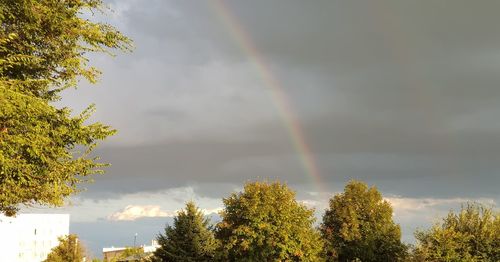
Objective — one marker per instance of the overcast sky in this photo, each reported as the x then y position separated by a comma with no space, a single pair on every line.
403,95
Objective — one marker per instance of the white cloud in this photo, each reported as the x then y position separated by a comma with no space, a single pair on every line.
212,210
131,212
134,212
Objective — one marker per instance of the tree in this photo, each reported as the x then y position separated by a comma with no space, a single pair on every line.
265,223
358,225
43,50
471,235
190,238
68,250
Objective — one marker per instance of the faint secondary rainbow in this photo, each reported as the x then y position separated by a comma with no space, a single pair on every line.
278,95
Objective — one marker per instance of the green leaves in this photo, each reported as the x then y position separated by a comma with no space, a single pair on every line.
38,160
265,223
69,249
53,39
189,239
471,235
43,48
359,225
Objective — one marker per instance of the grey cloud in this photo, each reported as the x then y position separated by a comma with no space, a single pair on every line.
444,169
401,94
171,165
396,93
367,32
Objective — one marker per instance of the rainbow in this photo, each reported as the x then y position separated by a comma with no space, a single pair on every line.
278,95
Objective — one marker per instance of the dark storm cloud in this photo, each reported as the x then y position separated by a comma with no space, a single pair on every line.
401,94
344,150
157,167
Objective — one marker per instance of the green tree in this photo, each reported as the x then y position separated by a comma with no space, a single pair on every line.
266,223
190,239
358,225
44,46
471,235
68,250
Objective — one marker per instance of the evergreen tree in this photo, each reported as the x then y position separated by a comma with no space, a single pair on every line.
265,223
68,250
190,239
359,225
43,50
471,235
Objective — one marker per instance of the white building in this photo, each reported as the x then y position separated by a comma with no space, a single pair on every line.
30,237
110,253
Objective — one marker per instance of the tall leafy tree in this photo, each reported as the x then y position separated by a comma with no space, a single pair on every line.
358,225
266,223
190,239
473,234
43,50
69,249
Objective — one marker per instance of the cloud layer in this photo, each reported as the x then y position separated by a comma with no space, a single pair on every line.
402,95
131,213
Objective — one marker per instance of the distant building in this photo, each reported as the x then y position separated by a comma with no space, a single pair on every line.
30,237
110,253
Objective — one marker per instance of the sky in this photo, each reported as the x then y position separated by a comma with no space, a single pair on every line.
400,94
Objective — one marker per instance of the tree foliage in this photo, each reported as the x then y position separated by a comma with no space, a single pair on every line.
265,223
358,225
190,239
471,235
43,50
68,250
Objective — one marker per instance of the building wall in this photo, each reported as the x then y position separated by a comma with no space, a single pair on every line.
30,237
113,252
110,253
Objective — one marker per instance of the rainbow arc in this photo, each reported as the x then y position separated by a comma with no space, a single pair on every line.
278,93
